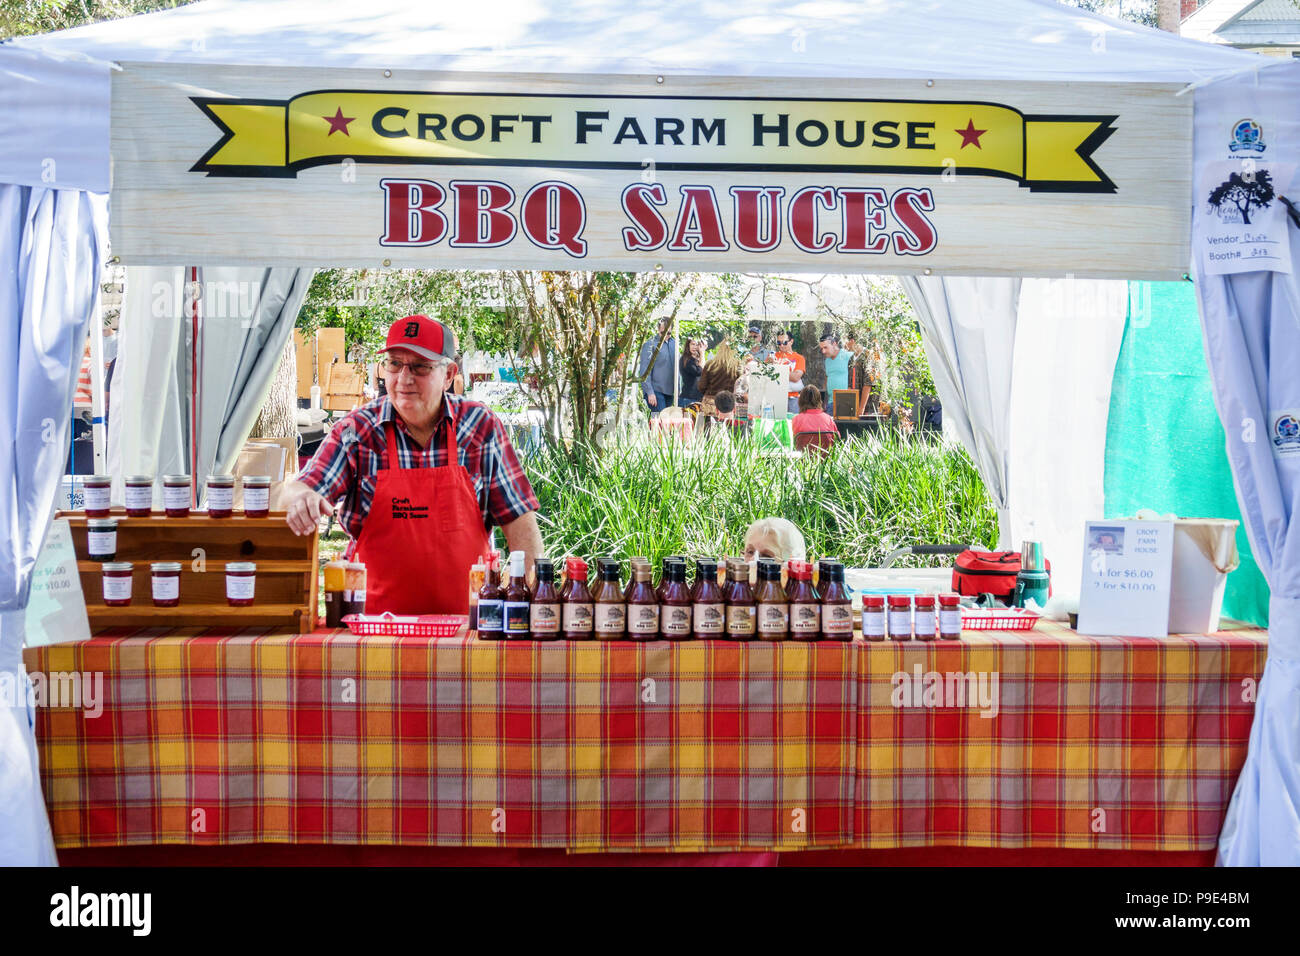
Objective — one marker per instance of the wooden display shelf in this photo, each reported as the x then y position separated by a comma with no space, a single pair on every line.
287,568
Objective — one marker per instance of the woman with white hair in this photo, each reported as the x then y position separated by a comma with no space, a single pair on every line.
775,538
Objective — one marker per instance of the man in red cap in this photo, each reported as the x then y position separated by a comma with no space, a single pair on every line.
419,476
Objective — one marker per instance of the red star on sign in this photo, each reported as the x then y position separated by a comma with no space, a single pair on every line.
339,123
970,135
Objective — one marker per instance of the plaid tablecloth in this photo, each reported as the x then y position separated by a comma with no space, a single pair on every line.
329,738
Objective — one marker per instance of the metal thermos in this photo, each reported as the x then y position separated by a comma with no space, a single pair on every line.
1033,581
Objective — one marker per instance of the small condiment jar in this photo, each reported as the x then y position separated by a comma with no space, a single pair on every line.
176,495
900,617
544,612
949,617
101,539
165,580
97,489
708,610
335,579
924,620
257,495
221,496
741,618
805,604
117,583
137,495
771,605
837,606
873,617
241,579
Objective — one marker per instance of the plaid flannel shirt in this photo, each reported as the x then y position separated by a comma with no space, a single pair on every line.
345,465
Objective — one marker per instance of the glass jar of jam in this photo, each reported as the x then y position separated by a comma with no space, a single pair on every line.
675,606
900,617
949,617
97,489
117,583
609,607
837,606
176,495
805,604
741,619
221,496
771,605
165,578
873,617
241,579
924,620
642,603
137,495
544,612
257,495
101,539
576,612
708,609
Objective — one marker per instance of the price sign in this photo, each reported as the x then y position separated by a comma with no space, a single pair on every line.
1126,578
56,610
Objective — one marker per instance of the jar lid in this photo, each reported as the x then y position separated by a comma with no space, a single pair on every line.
256,481
949,600
900,600
356,565
873,600
139,479
925,600
102,524
176,479
221,481
97,480
165,566
244,567
117,566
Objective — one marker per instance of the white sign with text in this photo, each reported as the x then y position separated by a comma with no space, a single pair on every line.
1126,578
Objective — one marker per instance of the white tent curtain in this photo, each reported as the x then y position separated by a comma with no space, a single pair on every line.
1251,327
968,326
198,351
52,250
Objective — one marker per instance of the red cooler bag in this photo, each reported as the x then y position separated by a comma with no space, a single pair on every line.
987,572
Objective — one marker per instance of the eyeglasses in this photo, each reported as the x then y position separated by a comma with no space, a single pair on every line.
418,369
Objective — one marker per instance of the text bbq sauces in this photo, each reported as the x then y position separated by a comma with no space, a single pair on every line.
675,604
805,603
741,618
517,601
772,607
576,612
837,606
642,604
708,609
544,612
609,607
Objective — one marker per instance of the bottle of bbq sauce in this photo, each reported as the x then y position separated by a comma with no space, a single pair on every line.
663,575
576,609
805,603
610,606
633,564
642,605
837,606
772,605
708,609
515,609
544,612
491,600
741,619
675,606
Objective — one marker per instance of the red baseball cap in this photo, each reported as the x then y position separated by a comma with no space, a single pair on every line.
423,336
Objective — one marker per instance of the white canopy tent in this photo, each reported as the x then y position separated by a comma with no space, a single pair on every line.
1101,173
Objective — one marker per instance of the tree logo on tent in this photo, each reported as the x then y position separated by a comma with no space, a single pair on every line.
1234,198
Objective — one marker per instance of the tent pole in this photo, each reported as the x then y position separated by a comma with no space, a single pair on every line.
677,365
97,434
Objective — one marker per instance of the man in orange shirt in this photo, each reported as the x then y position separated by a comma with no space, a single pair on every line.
785,353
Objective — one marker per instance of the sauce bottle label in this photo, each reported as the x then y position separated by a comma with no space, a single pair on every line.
101,542
137,497
773,618
709,619
577,617
838,619
239,587
516,617
900,622
176,496
166,587
117,588
259,499
611,618
873,623
925,623
545,618
221,498
807,618
490,615
644,618
950,621
676,620
97,498
740,619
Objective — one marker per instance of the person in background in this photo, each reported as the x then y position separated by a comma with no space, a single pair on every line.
775,538
837,366
812,417
757,350
724,413
458,381
862,373
657,378
691,369
720,373
797,363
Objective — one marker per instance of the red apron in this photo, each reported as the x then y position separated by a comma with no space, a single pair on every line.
423,532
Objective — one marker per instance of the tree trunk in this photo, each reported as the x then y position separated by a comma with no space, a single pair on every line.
278,418
1169,15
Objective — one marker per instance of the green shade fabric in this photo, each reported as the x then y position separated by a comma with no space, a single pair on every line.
1164,441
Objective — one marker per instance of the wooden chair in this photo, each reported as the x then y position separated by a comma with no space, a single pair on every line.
819,442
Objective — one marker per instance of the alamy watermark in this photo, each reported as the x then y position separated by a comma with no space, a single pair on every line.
975,689
80,690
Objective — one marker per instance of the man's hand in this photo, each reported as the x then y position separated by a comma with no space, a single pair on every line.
652,401
303,507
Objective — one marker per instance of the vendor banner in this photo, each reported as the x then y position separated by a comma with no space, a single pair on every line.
359,168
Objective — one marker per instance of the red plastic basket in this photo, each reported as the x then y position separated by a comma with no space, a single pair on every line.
1004,619
406,625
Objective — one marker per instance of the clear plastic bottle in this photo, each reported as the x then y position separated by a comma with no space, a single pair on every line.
609,607
642,603
837,606
772,606
576,611
805,603
544,611
675,604
741,617
708,608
